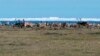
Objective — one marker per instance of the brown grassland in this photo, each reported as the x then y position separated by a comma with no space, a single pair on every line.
68,42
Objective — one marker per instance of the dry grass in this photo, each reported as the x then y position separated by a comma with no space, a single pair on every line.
50,43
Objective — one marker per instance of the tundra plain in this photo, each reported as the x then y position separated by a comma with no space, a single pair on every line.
67,42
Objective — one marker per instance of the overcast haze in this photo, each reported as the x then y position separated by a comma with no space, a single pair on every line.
49,8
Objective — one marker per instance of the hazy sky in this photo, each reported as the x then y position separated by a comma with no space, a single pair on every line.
50,8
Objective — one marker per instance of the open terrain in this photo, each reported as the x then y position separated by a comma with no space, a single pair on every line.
83,42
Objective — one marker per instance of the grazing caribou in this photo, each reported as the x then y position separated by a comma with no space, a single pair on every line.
82,24
19,25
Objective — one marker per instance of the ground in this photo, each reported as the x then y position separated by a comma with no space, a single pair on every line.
68,42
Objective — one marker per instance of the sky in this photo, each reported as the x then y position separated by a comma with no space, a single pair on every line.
50,8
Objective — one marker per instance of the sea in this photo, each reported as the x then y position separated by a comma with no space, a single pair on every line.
67,22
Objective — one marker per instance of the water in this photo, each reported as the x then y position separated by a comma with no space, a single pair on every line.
68,22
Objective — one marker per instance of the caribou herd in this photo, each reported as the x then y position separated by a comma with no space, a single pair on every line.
56,26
